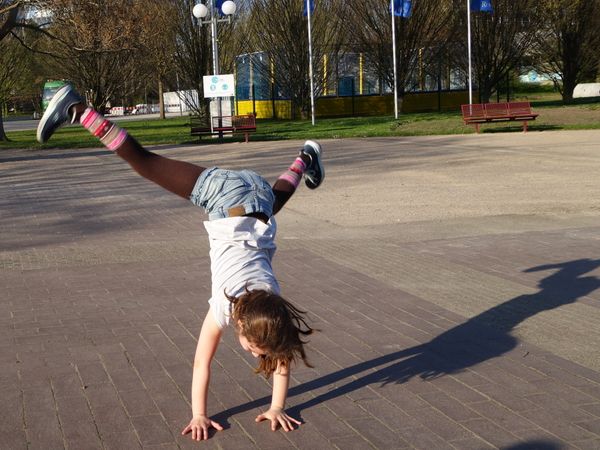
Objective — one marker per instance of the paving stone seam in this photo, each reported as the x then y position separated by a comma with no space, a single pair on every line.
90,409
143,384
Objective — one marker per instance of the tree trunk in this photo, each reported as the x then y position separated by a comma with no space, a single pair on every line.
3,136
161,100
567,89
485,91
567,96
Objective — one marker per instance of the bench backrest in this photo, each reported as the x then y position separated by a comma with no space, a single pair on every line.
197,121
489,110
246,121
519,108
222,121
473,111
496,109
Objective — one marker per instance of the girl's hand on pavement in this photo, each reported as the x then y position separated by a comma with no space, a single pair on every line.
277,416
199,427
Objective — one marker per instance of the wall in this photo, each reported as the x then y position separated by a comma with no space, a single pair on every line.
365,105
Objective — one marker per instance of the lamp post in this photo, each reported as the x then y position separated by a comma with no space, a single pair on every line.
469,52
208,15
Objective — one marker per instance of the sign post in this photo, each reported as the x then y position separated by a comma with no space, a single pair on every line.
217,87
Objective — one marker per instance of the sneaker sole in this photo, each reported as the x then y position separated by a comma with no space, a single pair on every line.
319,152
55,99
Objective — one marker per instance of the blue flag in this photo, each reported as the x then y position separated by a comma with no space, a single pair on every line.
401,8
482,6
218,6
312,7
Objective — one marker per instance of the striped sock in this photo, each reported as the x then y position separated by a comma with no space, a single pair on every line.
109,134
294,173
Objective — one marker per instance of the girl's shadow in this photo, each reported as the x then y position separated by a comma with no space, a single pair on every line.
480,338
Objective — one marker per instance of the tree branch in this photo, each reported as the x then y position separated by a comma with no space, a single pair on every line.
11,20
9,8
41,52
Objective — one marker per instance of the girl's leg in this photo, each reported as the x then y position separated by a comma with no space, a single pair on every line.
308,163
175,176
288,182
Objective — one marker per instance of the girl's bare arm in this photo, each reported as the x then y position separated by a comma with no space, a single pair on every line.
210,336
276,413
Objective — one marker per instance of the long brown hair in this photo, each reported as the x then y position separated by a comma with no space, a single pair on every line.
273,324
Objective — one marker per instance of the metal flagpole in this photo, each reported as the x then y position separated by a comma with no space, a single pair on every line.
393,10
310,68
214,36
469,47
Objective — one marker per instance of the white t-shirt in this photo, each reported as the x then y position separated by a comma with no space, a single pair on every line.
241,250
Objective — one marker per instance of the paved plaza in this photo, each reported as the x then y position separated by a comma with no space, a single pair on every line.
454,281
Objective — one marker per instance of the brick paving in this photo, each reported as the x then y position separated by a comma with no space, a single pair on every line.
452,339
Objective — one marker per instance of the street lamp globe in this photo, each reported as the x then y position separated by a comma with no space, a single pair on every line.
228,8
200,11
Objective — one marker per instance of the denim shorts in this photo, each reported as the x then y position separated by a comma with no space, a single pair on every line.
228,193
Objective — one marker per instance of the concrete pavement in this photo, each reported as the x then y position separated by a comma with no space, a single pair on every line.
454,280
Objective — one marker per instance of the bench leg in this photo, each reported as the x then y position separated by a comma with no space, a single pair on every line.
477,128
525,126
246,135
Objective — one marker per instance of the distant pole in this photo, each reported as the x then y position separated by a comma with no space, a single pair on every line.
310,58
469,51
215,52
214,37
179,95
395,63
200,12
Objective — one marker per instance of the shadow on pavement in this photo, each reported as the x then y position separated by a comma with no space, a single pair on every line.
535,445
38,156
516,128
479,339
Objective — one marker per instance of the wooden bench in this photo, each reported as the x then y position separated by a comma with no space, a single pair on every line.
223,124
497,112
200,126
235,124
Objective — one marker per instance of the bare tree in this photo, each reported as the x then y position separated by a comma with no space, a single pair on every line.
158,42
11,19
500,40
12,66
96,44
234,37
568,43
279,28
192,54
426,32
9,13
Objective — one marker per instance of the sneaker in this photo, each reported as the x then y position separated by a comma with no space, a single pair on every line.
315,173
57,113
